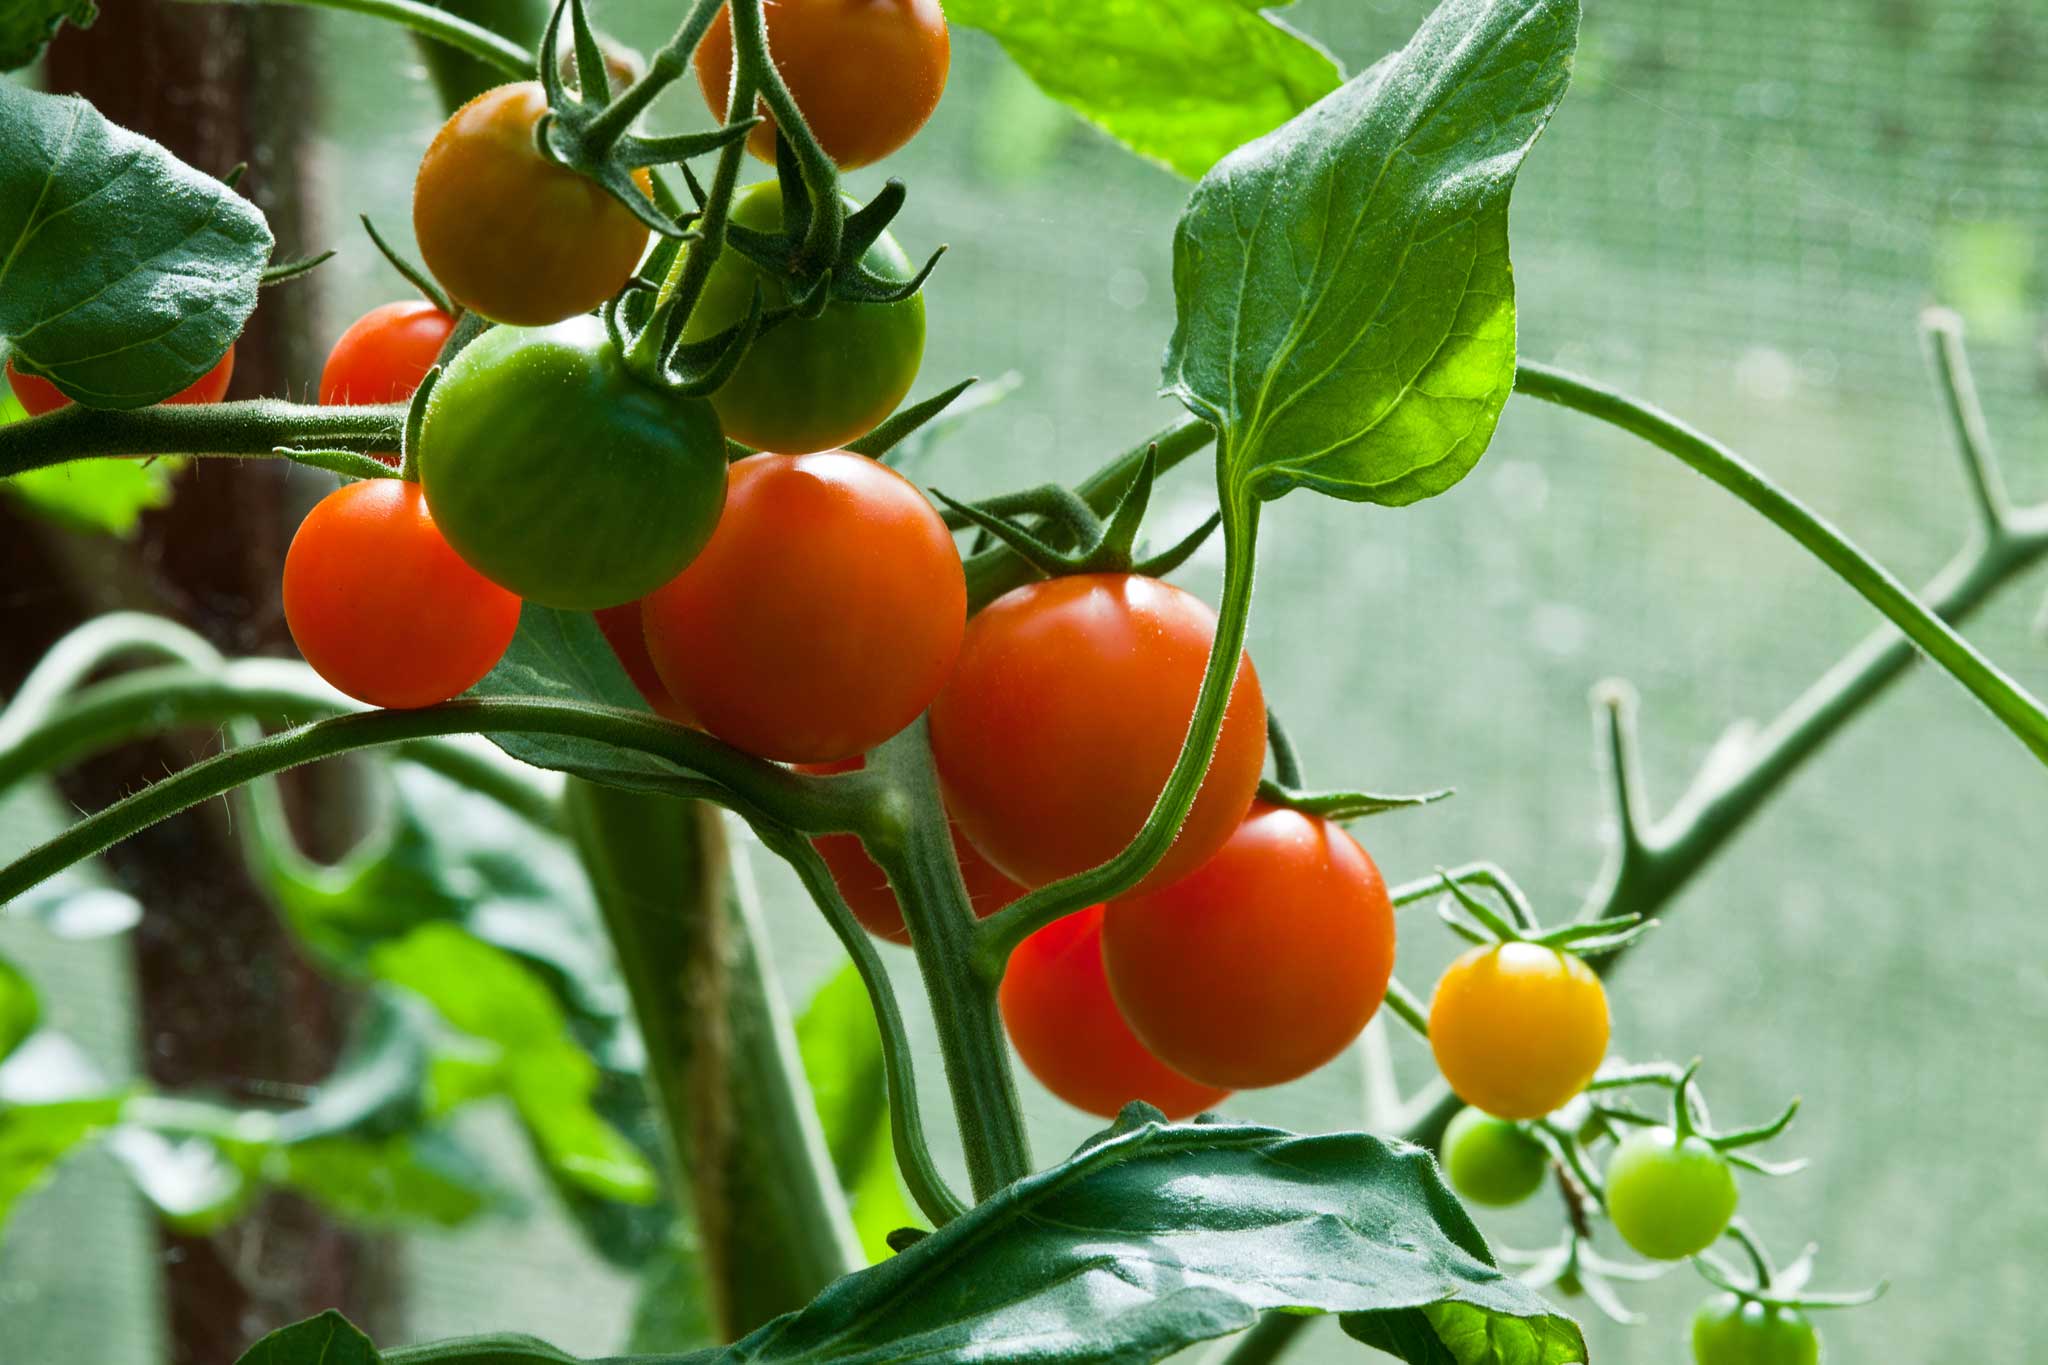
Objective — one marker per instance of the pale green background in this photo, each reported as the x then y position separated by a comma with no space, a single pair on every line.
1739,211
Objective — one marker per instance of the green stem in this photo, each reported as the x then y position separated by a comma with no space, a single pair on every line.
252,430
1000,934
667,66
820,174
474,40
1267,1341
2006,699
915,850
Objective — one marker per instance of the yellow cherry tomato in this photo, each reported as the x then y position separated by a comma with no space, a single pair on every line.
1518,1029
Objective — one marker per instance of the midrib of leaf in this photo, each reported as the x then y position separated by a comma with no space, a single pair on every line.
49,179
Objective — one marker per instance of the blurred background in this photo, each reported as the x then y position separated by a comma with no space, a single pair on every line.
1738,213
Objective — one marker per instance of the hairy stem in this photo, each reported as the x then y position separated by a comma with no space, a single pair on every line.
252,430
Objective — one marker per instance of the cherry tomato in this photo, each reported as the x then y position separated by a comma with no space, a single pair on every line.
1669,1199
1064,716
1518,1029
1290,892
508,232
1065,1025
559,475
39,395
822,617
1492,1161
810,383
384,354
1728,1331
622,631
382,608
867,890
865,73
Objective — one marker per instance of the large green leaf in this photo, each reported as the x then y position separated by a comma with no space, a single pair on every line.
1179,81
124,273
26,26
1345,304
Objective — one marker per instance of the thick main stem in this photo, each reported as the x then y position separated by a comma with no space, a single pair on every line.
915,850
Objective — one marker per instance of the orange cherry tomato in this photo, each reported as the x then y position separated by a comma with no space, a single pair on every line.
1518,1029
865,73
867,891
382,608
1064,716
822,616
39,395
1065,1025
1263,963
508,232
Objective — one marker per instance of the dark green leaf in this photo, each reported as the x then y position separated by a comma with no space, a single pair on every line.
842,1055
26,26
562,654
20,1010
1179,81
127,273
329,1339
1345,306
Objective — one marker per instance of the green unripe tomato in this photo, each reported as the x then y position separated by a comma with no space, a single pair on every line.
1669,1199
1727,1331
811,383
560,476
1492,1161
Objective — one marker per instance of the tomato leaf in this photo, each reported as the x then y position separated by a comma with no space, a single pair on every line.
124,273
35,1138
27,26
329,1339
20,1009
1178,81
1345,308
399,1181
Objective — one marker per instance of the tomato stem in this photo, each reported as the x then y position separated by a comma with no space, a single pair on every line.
428,21
250,430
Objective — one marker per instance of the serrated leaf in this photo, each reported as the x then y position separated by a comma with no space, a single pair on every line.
563,655
124,273
1178,81
1344,302
27,26
329,1339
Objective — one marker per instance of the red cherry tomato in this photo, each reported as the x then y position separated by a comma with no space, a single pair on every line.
39,395
865,73
1263,963
823,615
621,627
1063,718
867,890
384,354
1064,1024
382,608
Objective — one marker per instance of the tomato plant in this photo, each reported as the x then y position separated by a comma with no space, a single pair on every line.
563,477
865,73
1065,713
813,382
380,605
39,395
821,617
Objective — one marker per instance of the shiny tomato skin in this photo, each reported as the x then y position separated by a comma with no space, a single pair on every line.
384,354
866,889
382,608
1727,1331
823,615
39,395
1492,1161
623,632
865,73
1064,716
811,383
561,476
1518,1029
1263,963
1668,1197
509,233
1064,1023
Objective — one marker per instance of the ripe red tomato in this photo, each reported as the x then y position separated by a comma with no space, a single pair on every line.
822,616
1063,718
508,232
867,891
384,354
622,631
1065,1025
1290,895
865,73
382,608
39,395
